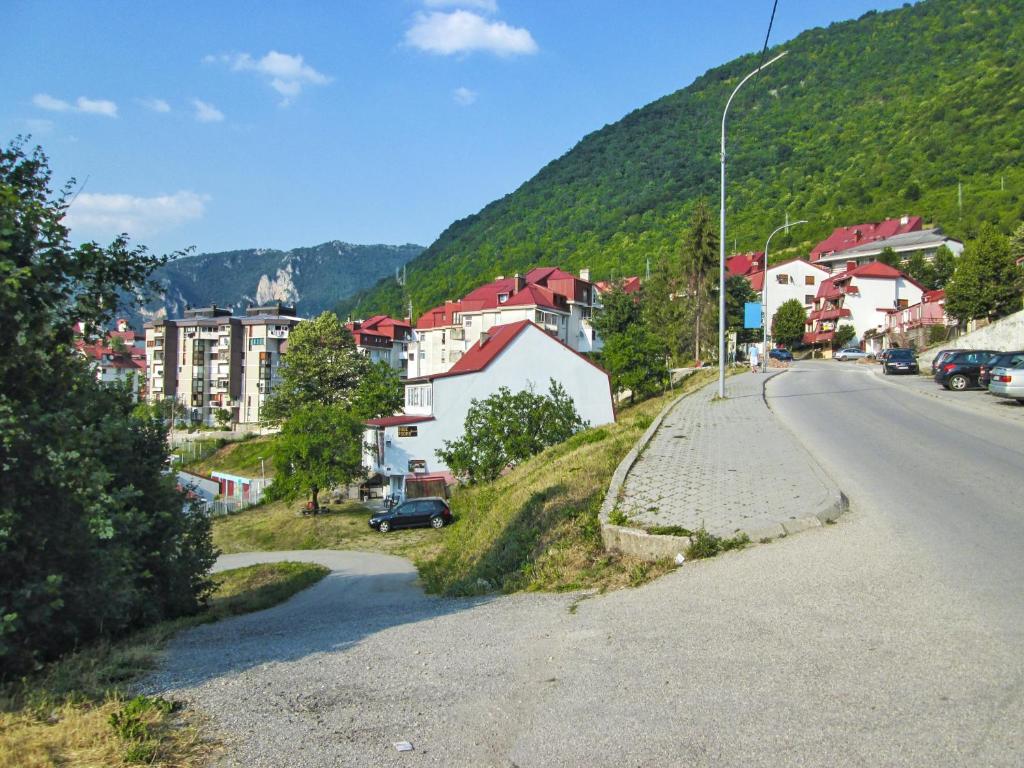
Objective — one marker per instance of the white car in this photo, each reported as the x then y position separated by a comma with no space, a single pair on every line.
1007,382
850,353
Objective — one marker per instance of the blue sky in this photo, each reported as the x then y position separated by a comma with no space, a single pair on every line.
228,125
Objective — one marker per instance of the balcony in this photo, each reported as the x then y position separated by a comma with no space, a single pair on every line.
275,333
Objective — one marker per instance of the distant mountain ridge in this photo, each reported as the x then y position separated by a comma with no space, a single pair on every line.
313,278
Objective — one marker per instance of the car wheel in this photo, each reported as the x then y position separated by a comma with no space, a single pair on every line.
436,522
384,527
958,382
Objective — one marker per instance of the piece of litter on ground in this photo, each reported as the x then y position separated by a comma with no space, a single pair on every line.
680,558
403,746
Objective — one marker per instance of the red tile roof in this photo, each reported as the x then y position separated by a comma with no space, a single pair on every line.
395,421
532,293
629,285
480,355
743,264
843,238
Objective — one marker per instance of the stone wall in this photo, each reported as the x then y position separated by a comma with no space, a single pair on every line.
1007,333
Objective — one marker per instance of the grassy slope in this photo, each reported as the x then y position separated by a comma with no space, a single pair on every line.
241,458
279,526
61,717
537,528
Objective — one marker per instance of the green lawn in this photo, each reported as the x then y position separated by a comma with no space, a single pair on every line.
238,458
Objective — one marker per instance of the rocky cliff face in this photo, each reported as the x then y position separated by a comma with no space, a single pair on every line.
313,279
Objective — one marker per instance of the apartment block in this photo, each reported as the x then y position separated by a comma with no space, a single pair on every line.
209,360
265,333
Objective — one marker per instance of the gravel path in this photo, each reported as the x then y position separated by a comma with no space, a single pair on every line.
859,644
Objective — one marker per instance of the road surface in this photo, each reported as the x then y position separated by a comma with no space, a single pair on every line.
892,638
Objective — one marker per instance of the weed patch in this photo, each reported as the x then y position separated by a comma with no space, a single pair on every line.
669,530
704,544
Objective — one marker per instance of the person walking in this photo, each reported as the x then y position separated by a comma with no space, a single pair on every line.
754,361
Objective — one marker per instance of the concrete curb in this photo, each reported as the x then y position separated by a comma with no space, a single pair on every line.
634,541
649,546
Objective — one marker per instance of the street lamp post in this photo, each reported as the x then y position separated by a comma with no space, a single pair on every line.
764,293
721,237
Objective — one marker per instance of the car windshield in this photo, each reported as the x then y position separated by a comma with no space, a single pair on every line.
901,354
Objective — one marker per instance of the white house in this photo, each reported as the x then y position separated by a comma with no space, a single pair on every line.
519,356
861,296
555,300
794,279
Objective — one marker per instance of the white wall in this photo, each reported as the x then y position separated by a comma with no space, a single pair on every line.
1006,333
877,295
532,358
794,288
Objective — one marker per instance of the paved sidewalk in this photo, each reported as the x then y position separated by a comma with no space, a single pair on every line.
730,466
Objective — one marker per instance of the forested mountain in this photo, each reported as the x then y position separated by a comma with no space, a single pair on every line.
313,279
864,120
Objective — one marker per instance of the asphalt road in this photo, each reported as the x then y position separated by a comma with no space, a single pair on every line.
945,471
892,638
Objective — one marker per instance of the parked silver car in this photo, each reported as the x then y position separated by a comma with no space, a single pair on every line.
1007,382
850,353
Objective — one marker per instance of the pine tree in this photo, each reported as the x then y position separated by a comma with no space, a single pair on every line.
699,260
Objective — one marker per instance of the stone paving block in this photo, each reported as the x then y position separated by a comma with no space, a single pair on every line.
726,465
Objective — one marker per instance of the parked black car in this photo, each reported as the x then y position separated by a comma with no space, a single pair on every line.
781,354
943,356
882,356
960,371
414,513
1002,360
900,361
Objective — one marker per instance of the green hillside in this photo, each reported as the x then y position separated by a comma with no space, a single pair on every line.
863,120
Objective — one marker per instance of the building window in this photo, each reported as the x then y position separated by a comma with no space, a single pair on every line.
808,279
502,298
808,298
418,396
255,342
782,279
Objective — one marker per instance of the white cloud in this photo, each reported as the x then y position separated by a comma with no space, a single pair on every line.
46,101
103,216
39,127
96,106
155,105
487,6
82,104
284,72
207,113
463,31
464,96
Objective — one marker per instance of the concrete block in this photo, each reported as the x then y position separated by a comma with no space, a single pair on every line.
800,524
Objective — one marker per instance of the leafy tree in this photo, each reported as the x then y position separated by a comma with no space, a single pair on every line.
223,417
737,293
507,428
987,282
699,261
1017,243
319,447
843,336
922,270
943,267
323,367
636,362
789,322
619,311
667,309
379,392
890,257
93,539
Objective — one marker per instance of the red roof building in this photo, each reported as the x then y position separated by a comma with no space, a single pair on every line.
521,355
844,238
382,339
557,301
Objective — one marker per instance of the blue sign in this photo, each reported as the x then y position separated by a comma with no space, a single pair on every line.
752,314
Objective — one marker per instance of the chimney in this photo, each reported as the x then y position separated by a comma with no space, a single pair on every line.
585,274
519,283
485,336
851,265
904,220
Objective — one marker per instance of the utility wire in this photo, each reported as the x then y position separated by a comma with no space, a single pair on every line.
764,48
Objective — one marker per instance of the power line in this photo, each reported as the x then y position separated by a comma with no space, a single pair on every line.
764,48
